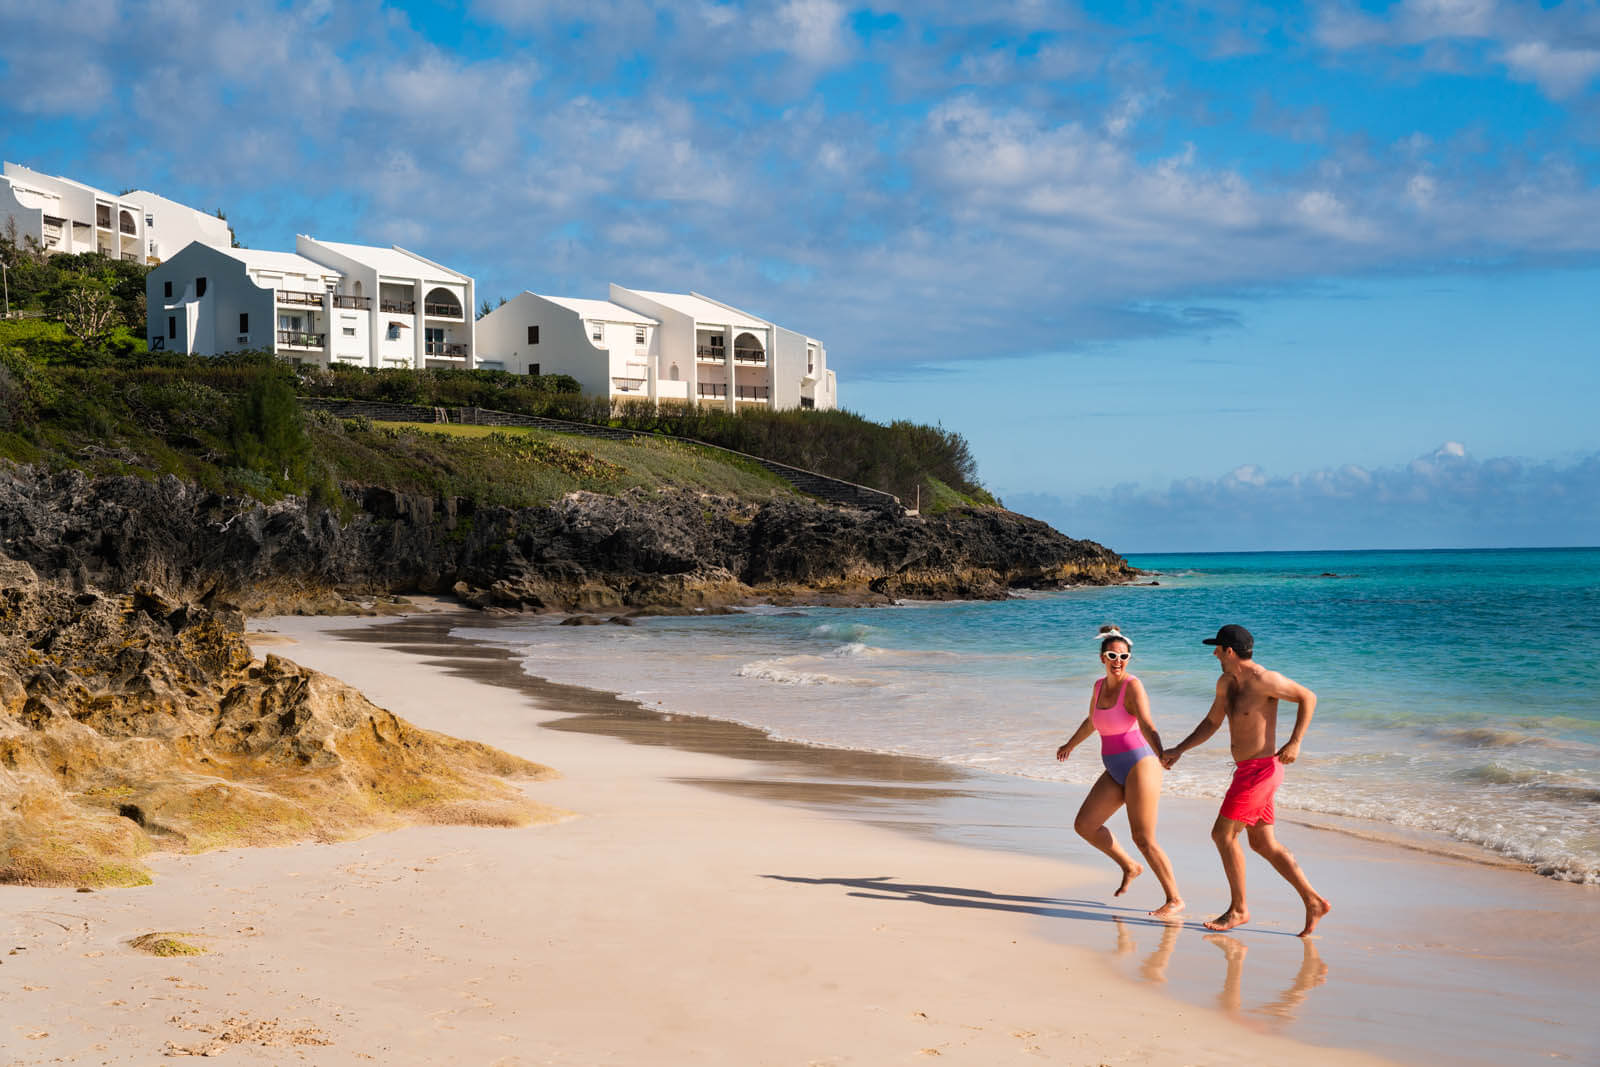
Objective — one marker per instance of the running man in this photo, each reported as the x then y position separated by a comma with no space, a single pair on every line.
1248,695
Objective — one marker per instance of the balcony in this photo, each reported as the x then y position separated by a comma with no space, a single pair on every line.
364,303
397,307
445,348
131,257
718,354
627,385
301,339
740,392
102,218
442,311
299,299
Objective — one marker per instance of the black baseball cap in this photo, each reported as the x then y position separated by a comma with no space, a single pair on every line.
1235,637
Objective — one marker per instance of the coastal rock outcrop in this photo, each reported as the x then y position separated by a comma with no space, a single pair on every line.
587,551
140,721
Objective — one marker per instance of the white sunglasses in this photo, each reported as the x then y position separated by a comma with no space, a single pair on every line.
1117,656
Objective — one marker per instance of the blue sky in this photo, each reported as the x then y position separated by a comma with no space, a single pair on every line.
1231,276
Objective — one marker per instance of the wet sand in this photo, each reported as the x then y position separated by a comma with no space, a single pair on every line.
1432,951
724,898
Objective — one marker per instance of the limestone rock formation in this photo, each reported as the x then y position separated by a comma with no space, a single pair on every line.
135,722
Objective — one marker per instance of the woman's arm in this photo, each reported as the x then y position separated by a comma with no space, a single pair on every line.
1079,735
1138,706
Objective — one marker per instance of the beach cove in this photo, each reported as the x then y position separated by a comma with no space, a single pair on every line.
669,922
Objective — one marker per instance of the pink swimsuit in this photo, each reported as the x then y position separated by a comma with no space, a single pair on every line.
1122,742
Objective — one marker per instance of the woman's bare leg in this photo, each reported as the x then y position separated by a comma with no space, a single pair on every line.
1142,791
1104,798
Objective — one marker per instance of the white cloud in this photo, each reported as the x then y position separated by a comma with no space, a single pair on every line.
1560,72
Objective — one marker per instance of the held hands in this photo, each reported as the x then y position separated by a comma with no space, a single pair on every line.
1064,751
1289,753
1169,757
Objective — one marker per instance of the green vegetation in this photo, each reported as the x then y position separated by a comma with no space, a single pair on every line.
903,458
234,425
77,389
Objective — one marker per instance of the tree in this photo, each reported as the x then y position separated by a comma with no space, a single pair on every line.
84,305
267,434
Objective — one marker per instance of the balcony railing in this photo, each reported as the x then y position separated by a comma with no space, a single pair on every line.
740,392
740,355
362,302
102,218
301,339
129,229
442,311
291,296
398,307
444,348
131,257
628,385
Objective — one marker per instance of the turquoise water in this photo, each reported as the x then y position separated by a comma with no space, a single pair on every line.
1456,690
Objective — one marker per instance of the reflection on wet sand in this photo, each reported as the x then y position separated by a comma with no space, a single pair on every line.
1313,972
1154,968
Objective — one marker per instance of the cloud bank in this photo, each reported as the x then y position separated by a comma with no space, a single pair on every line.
1445,499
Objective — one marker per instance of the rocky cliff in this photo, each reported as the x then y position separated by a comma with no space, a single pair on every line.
643,549
130,723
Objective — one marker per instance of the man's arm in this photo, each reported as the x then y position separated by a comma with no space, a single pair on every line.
1305,704
1208,725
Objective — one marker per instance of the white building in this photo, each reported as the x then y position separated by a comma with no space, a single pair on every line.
420,312
660,346
170,227
63,215
327,303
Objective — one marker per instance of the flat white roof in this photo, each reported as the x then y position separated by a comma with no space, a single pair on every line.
604,310
703,310
393,261
14,169
280,262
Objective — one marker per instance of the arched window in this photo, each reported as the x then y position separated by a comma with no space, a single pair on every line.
673,373
442,303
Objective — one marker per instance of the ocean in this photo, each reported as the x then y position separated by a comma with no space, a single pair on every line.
1456,691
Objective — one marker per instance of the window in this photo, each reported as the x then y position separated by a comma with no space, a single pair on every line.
533,337
172,327
149,221
394,331
673,374
244,322
597,331
638,335
349,331
167,291
199,287
533,368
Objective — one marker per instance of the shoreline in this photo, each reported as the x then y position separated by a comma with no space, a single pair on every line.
681,915
1423,933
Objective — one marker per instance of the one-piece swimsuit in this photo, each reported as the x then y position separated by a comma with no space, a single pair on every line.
1122,743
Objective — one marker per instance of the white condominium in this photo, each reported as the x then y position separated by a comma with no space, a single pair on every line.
659,346
325,303
63,215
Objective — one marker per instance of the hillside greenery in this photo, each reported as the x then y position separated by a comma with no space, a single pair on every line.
78,388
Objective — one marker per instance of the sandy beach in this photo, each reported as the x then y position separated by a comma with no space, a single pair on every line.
719,898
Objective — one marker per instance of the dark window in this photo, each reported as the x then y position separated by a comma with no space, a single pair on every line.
533,368
244,322
533,337
199,287
638,335
172,327
167,291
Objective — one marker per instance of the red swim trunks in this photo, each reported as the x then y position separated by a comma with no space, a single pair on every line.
1249,798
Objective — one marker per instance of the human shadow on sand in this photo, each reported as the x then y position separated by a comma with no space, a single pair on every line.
884,887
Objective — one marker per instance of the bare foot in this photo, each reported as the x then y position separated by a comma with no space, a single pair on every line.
1316,908
1128,875
1170,910
1228,920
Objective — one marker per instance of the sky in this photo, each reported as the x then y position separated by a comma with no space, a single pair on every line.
1215,277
